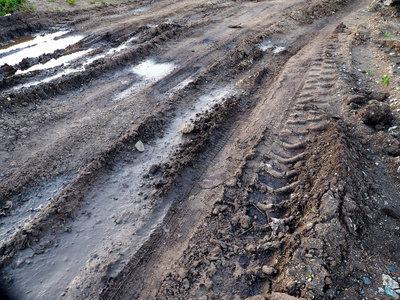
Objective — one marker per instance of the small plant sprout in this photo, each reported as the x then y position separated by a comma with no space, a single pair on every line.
313,209
385,80
27,243
387,35
370,72
392,106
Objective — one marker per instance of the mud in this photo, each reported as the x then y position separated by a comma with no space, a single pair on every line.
207,150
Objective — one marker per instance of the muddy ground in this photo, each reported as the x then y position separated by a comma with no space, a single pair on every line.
200,150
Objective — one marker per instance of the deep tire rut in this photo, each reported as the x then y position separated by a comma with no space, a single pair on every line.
268,175
186,212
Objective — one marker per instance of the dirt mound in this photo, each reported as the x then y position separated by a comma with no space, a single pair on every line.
376,113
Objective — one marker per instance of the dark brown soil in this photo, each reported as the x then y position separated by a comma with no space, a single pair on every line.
285,187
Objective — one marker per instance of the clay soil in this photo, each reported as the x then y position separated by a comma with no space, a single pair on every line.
284,186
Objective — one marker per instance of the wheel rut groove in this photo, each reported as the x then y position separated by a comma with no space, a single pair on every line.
267,177
142,209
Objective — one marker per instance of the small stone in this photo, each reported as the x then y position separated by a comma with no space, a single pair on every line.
20,263
390,282
9,204
186,284
139,146
268,270
308,255
187,128
366,280
390,292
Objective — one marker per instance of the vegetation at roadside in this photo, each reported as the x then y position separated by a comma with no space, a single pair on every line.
10,6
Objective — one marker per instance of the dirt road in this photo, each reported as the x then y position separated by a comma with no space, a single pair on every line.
200,150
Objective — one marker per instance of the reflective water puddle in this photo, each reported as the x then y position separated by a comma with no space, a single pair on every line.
42,44
64,60
153,71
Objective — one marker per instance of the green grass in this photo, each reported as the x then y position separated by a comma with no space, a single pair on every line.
385,80
10,6
370,72
71,2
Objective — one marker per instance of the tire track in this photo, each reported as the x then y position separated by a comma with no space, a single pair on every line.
236,160
268,186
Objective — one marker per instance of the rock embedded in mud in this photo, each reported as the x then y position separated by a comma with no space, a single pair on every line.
268,270
186,284
366,280
376,113
281,296
392,293
391,2
139,146
390,282
187,128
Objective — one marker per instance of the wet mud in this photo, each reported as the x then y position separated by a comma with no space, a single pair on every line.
208,150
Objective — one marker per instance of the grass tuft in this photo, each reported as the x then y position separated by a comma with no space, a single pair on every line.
10,6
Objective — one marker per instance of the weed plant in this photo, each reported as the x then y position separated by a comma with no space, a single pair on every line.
10,6
385,80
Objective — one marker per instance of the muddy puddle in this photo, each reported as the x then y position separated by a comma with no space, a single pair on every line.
67,63
116,219
148,72
269,45
17,41
152,70
39,45
28,205
64,60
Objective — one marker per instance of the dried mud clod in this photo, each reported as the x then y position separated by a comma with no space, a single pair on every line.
376,113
